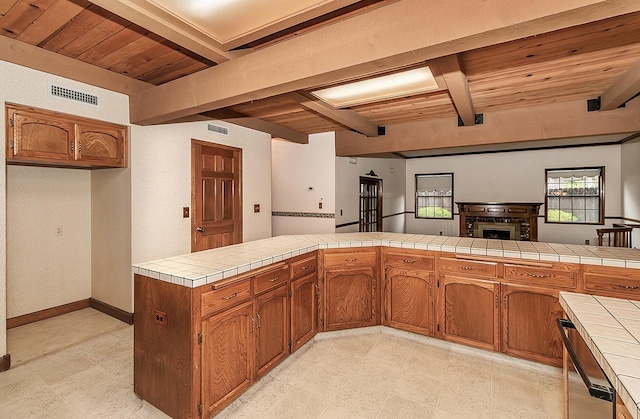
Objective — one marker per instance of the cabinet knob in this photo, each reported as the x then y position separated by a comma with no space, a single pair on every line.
200,229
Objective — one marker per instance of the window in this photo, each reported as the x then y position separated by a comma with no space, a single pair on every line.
575,195
434,196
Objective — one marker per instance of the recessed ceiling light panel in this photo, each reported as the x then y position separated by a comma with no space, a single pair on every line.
391,86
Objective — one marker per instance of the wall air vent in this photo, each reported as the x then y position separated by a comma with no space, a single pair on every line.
73,95
217,129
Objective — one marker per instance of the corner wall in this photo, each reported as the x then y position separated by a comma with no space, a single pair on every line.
295,169
630,168
393,175
161,185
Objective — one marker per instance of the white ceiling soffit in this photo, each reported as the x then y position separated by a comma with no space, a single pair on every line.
525,145
236,22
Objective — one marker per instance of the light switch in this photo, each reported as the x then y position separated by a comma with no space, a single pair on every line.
185,212
256,207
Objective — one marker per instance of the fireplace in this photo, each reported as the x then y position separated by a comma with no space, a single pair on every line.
503,221
501,231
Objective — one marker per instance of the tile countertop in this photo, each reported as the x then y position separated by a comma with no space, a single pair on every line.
611,329
200,268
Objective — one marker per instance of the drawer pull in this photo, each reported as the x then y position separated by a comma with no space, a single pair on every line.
304,268
230,297
626,287
539,275
351,260
409,261
277,278
467,268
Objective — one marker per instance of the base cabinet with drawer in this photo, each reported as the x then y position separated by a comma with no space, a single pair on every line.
350,289
198,349
227,356
408,291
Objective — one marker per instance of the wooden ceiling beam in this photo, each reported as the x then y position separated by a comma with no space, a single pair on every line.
30,56
623,89
151,17
345,117
540,122
276,131
413,32
458,86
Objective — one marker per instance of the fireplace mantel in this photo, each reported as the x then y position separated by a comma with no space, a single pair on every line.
505,220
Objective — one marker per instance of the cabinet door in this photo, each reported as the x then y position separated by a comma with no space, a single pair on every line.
471,311
227,357
350,298
304,305
529,327
408,300
101,145
41,137
272,326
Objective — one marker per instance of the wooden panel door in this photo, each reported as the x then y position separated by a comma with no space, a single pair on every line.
40,137
304,305
216,195
350,298
101,145
272,326
471,311
227,357
529,328
408,300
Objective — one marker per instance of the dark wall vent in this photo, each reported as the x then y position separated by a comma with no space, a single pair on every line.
74,95
217,129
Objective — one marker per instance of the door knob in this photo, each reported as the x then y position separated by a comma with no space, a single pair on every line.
200,229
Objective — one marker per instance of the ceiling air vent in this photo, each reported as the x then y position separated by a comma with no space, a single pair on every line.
73,95
217,129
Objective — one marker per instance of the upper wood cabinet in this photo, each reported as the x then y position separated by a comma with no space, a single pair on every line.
40,137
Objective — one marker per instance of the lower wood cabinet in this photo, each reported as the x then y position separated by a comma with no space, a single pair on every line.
470,311
227,354
272,329
304,307
408,300
529,328
350,298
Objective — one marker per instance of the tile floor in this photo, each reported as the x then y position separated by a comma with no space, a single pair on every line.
79,365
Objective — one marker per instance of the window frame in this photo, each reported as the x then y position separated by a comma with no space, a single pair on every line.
416,196
601,186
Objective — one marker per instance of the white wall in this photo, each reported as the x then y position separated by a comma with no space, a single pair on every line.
161,185
43,269
348,191
295,168
29,87
516,177
630,168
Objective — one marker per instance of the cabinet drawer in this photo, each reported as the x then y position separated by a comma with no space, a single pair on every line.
226,297
410,260
349,259
303,267
557,276
468,267
612,285
271,279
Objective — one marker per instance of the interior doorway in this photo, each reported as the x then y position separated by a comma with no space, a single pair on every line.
216,195
370,204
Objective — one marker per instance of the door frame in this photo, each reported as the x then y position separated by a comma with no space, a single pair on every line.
378,184
238,187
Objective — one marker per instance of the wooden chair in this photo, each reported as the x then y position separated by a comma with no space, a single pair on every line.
616,236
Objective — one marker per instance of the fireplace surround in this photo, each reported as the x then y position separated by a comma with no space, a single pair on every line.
499,220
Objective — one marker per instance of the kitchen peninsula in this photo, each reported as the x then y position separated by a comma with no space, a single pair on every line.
210,324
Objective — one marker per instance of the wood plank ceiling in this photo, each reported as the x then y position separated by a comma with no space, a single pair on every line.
576,63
